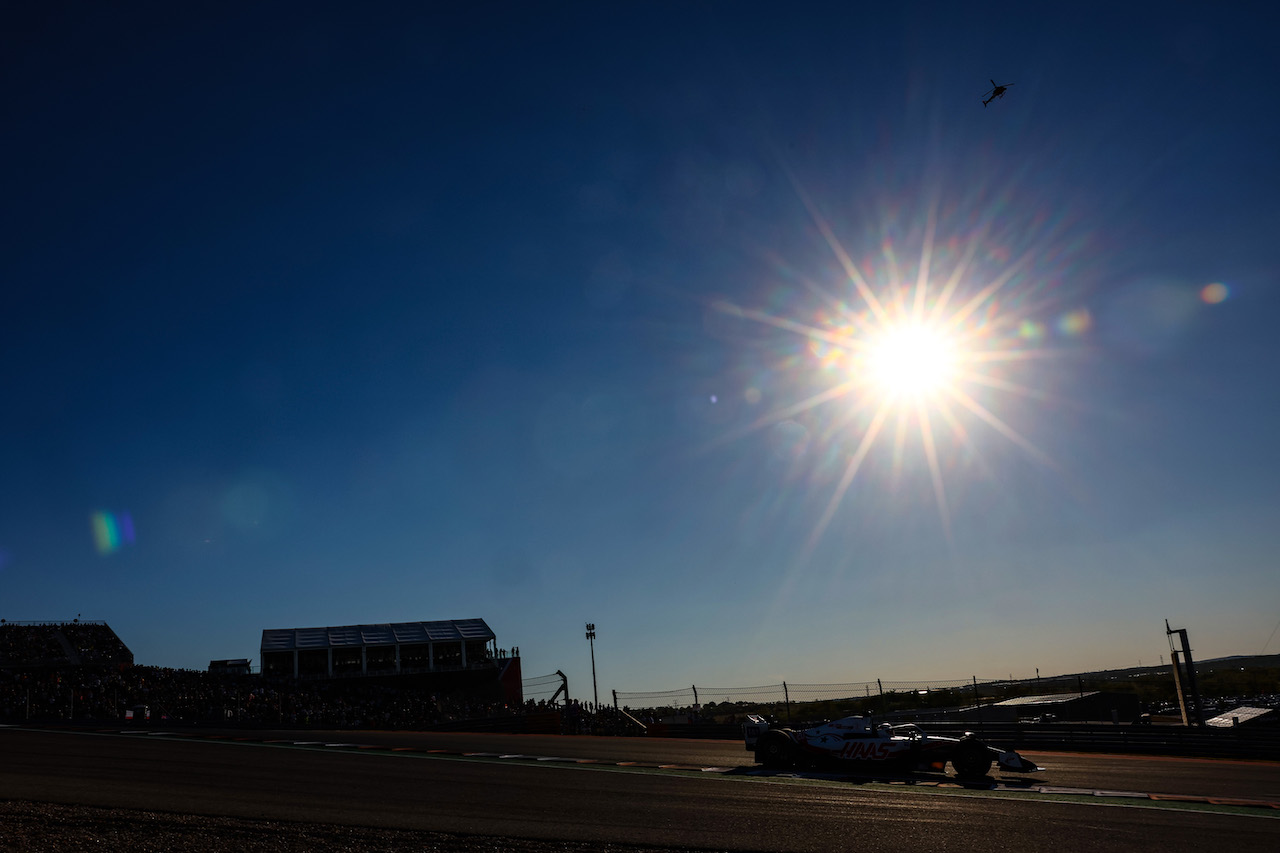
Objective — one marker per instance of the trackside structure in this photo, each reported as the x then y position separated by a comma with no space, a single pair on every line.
446,656
386,649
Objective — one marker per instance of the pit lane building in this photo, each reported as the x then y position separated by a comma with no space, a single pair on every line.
1094,705
1244,715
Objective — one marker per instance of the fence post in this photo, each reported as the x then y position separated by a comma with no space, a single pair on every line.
786,699
695,695
977,700
883,708
615,700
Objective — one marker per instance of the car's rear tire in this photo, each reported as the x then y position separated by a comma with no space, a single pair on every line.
776,751
972,760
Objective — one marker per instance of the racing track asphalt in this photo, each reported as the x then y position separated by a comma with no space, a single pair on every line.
1151,774
488,795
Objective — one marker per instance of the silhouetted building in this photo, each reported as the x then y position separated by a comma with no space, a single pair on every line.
1245,715
232,666
448,655
1089,706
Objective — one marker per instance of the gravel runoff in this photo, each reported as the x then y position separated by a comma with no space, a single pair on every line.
29,826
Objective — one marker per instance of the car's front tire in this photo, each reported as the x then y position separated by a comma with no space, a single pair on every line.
971,760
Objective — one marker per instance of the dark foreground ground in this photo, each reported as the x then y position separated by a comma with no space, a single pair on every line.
71,829
161,791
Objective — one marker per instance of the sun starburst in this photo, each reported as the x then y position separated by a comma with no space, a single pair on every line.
914,364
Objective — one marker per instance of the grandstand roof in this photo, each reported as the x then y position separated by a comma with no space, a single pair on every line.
385,634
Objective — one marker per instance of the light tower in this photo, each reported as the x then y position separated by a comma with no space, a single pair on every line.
591,638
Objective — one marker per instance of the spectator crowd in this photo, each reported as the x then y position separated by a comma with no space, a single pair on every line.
81,671
194,696
61,644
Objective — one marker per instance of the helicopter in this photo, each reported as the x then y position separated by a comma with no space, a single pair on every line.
996,91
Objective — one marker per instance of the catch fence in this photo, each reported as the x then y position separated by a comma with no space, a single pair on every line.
695,696
879,696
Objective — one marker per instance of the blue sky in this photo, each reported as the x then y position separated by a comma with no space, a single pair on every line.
559,315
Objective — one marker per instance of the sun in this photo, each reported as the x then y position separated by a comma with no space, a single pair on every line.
916,362
912,360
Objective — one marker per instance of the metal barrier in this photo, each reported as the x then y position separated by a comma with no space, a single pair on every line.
1239,742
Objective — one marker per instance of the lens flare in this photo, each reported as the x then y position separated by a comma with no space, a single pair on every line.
1031,330
1212,294
111,532
1075,323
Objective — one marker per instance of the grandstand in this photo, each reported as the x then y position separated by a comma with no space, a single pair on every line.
457,654
28,646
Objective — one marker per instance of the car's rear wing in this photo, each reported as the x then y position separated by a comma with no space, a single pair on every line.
752,729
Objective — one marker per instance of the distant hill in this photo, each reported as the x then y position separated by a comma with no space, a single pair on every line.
1247,661
1230,661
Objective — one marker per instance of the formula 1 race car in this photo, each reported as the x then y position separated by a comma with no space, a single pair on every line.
855,742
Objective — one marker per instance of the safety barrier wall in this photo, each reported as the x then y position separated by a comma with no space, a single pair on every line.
1238,742
547,723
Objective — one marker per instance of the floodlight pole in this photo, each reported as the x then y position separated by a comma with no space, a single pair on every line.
591,638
